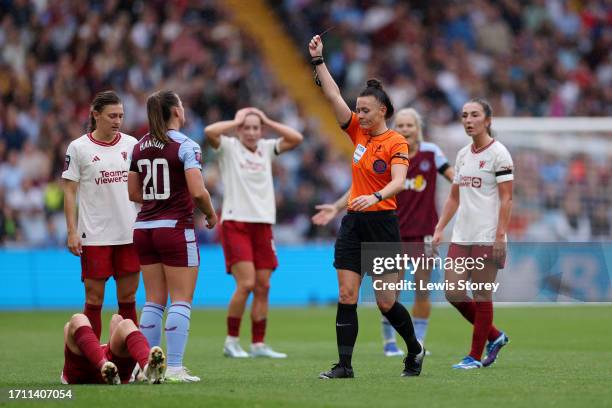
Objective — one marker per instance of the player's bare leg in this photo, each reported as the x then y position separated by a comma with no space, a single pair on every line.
259,315
181,283
245,276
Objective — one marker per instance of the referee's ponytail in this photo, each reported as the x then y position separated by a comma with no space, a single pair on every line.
374,88
159,107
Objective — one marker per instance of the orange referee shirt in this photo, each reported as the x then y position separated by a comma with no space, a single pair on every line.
372,161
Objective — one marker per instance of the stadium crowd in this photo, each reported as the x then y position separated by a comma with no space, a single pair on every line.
54,56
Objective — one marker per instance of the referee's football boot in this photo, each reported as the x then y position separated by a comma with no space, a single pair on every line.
155,369
413,364
110,374
493,348
337,371
468,363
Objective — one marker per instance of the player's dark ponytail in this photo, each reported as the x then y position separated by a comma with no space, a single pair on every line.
486,108
100,101
159,110
374,88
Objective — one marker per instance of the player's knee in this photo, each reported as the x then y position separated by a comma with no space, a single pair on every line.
384,305
262,288
127,326
126,297
421,295
94,296
246,287
116,318
348,295
77,320
482,296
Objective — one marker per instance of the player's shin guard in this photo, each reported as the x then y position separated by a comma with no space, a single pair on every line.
94,314
151,322
88,343
400,319
482,326
177,330
347,327
127,310
138,347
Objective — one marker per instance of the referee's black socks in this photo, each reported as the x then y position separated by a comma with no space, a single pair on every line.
347,327
400,319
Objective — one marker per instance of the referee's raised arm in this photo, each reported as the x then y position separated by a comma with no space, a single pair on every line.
330,88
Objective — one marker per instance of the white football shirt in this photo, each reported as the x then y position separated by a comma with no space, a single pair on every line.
105,213
248,190
477,173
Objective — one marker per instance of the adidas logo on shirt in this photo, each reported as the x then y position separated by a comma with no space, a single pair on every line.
95,159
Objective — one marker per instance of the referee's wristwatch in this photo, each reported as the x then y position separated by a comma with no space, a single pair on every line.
378,196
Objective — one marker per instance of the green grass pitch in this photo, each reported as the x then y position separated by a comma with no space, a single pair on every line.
558,357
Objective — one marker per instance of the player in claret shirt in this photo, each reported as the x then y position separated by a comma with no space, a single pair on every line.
249,211
416,209
166,177
96,168
481,196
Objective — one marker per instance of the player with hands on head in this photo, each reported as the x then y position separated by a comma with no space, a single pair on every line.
249,211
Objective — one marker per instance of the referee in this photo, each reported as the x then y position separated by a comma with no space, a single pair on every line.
380,163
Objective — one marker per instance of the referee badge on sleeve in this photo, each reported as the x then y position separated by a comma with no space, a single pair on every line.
359,151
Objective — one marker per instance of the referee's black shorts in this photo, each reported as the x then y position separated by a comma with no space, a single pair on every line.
359,227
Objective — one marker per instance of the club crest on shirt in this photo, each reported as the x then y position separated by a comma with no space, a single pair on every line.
425,165
379,166
124,155
67,162
481,164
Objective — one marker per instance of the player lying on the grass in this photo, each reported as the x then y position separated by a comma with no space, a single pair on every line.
86,361
416,210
